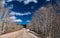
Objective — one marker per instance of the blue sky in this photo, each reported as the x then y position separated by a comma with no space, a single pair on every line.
21,11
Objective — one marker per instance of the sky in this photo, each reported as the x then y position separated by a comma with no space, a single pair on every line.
21,11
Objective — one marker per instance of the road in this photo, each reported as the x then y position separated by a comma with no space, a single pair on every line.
23,33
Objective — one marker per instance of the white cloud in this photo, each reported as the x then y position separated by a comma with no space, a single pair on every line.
42,8
3,2
22,14
28,1
9,0
12,17
12,13
17,20
28,21
47,0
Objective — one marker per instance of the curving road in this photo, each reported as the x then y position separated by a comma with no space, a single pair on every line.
23,33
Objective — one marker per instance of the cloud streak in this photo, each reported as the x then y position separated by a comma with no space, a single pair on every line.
28,21
28,1
17,20
20,14
13,19
9,0
47,0
12,13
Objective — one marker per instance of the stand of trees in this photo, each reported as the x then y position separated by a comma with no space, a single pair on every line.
46,21
5,25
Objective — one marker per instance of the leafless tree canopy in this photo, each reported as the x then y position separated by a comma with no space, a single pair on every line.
46,21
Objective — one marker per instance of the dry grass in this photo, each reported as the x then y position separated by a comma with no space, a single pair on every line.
10,27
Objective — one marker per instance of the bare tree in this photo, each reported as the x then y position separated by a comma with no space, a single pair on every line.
47,21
